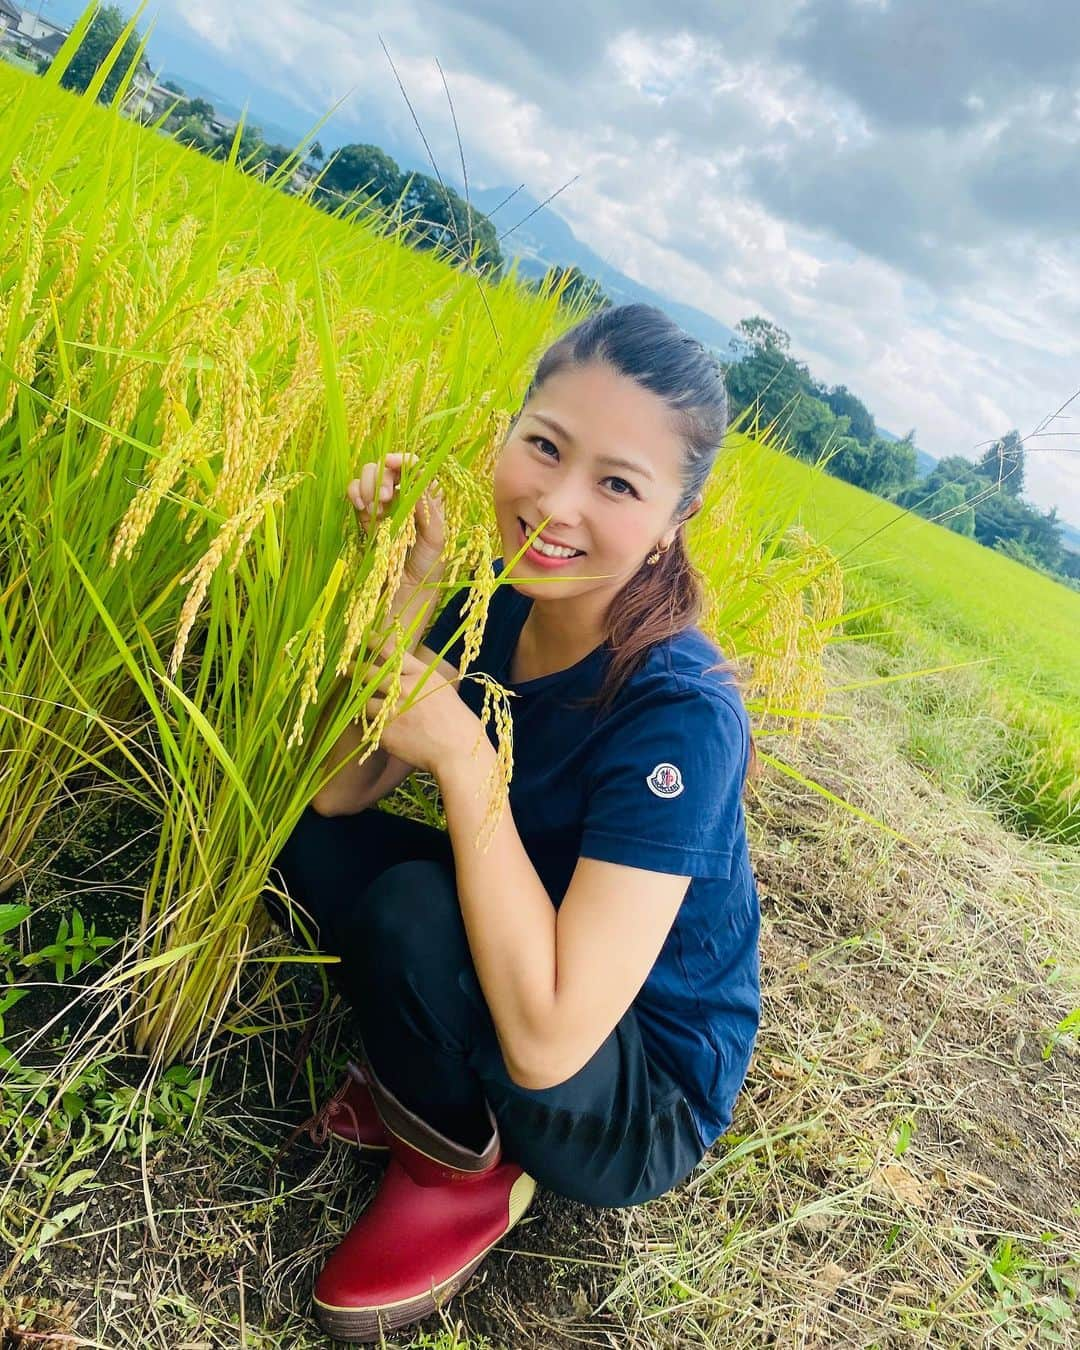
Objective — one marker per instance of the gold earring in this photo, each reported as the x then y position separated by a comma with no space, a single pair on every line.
654,557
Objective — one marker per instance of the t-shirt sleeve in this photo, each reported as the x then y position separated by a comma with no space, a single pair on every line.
665,792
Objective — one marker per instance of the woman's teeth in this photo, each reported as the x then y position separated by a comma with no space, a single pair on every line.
550,550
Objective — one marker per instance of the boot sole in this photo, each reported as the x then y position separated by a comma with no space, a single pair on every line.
368,1324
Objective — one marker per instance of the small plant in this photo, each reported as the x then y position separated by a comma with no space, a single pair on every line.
1022,1282
72,947
1068,1026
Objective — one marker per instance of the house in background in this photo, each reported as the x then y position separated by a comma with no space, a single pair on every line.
10,18
31,37
146,98
34,27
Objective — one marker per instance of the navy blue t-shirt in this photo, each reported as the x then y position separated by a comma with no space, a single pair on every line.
656,784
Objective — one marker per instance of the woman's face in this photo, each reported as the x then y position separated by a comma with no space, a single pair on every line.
558,462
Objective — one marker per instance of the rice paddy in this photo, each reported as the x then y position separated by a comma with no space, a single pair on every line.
192,366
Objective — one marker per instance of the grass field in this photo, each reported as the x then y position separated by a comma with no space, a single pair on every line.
943,599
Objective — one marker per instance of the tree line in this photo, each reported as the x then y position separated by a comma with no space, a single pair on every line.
981,499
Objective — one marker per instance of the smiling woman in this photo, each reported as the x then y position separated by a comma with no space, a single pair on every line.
575,1001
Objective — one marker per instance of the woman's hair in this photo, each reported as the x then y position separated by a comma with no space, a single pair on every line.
644,344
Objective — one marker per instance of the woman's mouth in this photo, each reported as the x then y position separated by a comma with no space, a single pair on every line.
546,555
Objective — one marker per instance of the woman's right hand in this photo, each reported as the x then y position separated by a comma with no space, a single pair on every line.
371,494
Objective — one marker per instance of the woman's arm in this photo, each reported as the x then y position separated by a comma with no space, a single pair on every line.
556,981
359,786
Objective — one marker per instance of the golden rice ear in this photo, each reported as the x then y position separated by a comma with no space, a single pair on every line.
475,610
232,538
497,784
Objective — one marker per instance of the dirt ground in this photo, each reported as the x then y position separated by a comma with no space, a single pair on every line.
903,1169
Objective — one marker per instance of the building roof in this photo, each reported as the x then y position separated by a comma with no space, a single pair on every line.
12,11
49,46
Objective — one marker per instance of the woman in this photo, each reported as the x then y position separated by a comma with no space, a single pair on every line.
576,1006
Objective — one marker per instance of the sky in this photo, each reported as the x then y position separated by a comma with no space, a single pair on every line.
894,182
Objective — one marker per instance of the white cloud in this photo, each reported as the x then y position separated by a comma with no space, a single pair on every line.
717,166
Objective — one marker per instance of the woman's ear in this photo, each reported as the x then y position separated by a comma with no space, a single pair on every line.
695,506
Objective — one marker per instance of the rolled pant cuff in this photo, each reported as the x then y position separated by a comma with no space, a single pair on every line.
418,1134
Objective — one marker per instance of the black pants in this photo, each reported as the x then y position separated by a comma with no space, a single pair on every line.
381,892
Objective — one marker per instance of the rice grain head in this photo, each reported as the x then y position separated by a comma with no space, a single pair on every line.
497,784
232,538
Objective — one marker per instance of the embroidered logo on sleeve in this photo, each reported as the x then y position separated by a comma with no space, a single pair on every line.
665,780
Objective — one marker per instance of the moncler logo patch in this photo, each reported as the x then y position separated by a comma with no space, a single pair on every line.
665,780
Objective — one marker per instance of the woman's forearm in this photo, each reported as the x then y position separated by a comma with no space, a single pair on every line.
510,921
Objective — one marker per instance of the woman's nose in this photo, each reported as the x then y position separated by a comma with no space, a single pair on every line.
560,501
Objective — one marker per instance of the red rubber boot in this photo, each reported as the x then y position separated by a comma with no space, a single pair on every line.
351,1115
438,1211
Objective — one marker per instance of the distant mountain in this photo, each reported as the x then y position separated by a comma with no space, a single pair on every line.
545,240
1070,536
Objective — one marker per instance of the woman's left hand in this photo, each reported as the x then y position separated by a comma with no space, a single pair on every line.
436,725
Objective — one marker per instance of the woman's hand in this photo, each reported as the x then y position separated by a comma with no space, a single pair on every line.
371,494
436,727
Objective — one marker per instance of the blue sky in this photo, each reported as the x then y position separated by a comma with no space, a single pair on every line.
895,182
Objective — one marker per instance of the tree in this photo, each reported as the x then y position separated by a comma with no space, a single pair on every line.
952,512
192,132
249,153
579,286
892,466
844,404
759,334
813,430
316,152
356,167
438,218
103,32
1004,463
195,107
172,87
762,373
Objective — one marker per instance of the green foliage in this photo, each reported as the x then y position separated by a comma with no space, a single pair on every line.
435,216
1003,462
981,500
74,946
438,218
363,168
762,373
95,47
843,403
579,291
999,520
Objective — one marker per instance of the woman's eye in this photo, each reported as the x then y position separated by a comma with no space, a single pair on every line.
628,486
540,440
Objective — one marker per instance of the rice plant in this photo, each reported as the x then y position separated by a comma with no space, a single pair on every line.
194,366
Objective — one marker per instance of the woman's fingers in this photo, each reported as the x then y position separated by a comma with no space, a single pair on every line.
377,483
